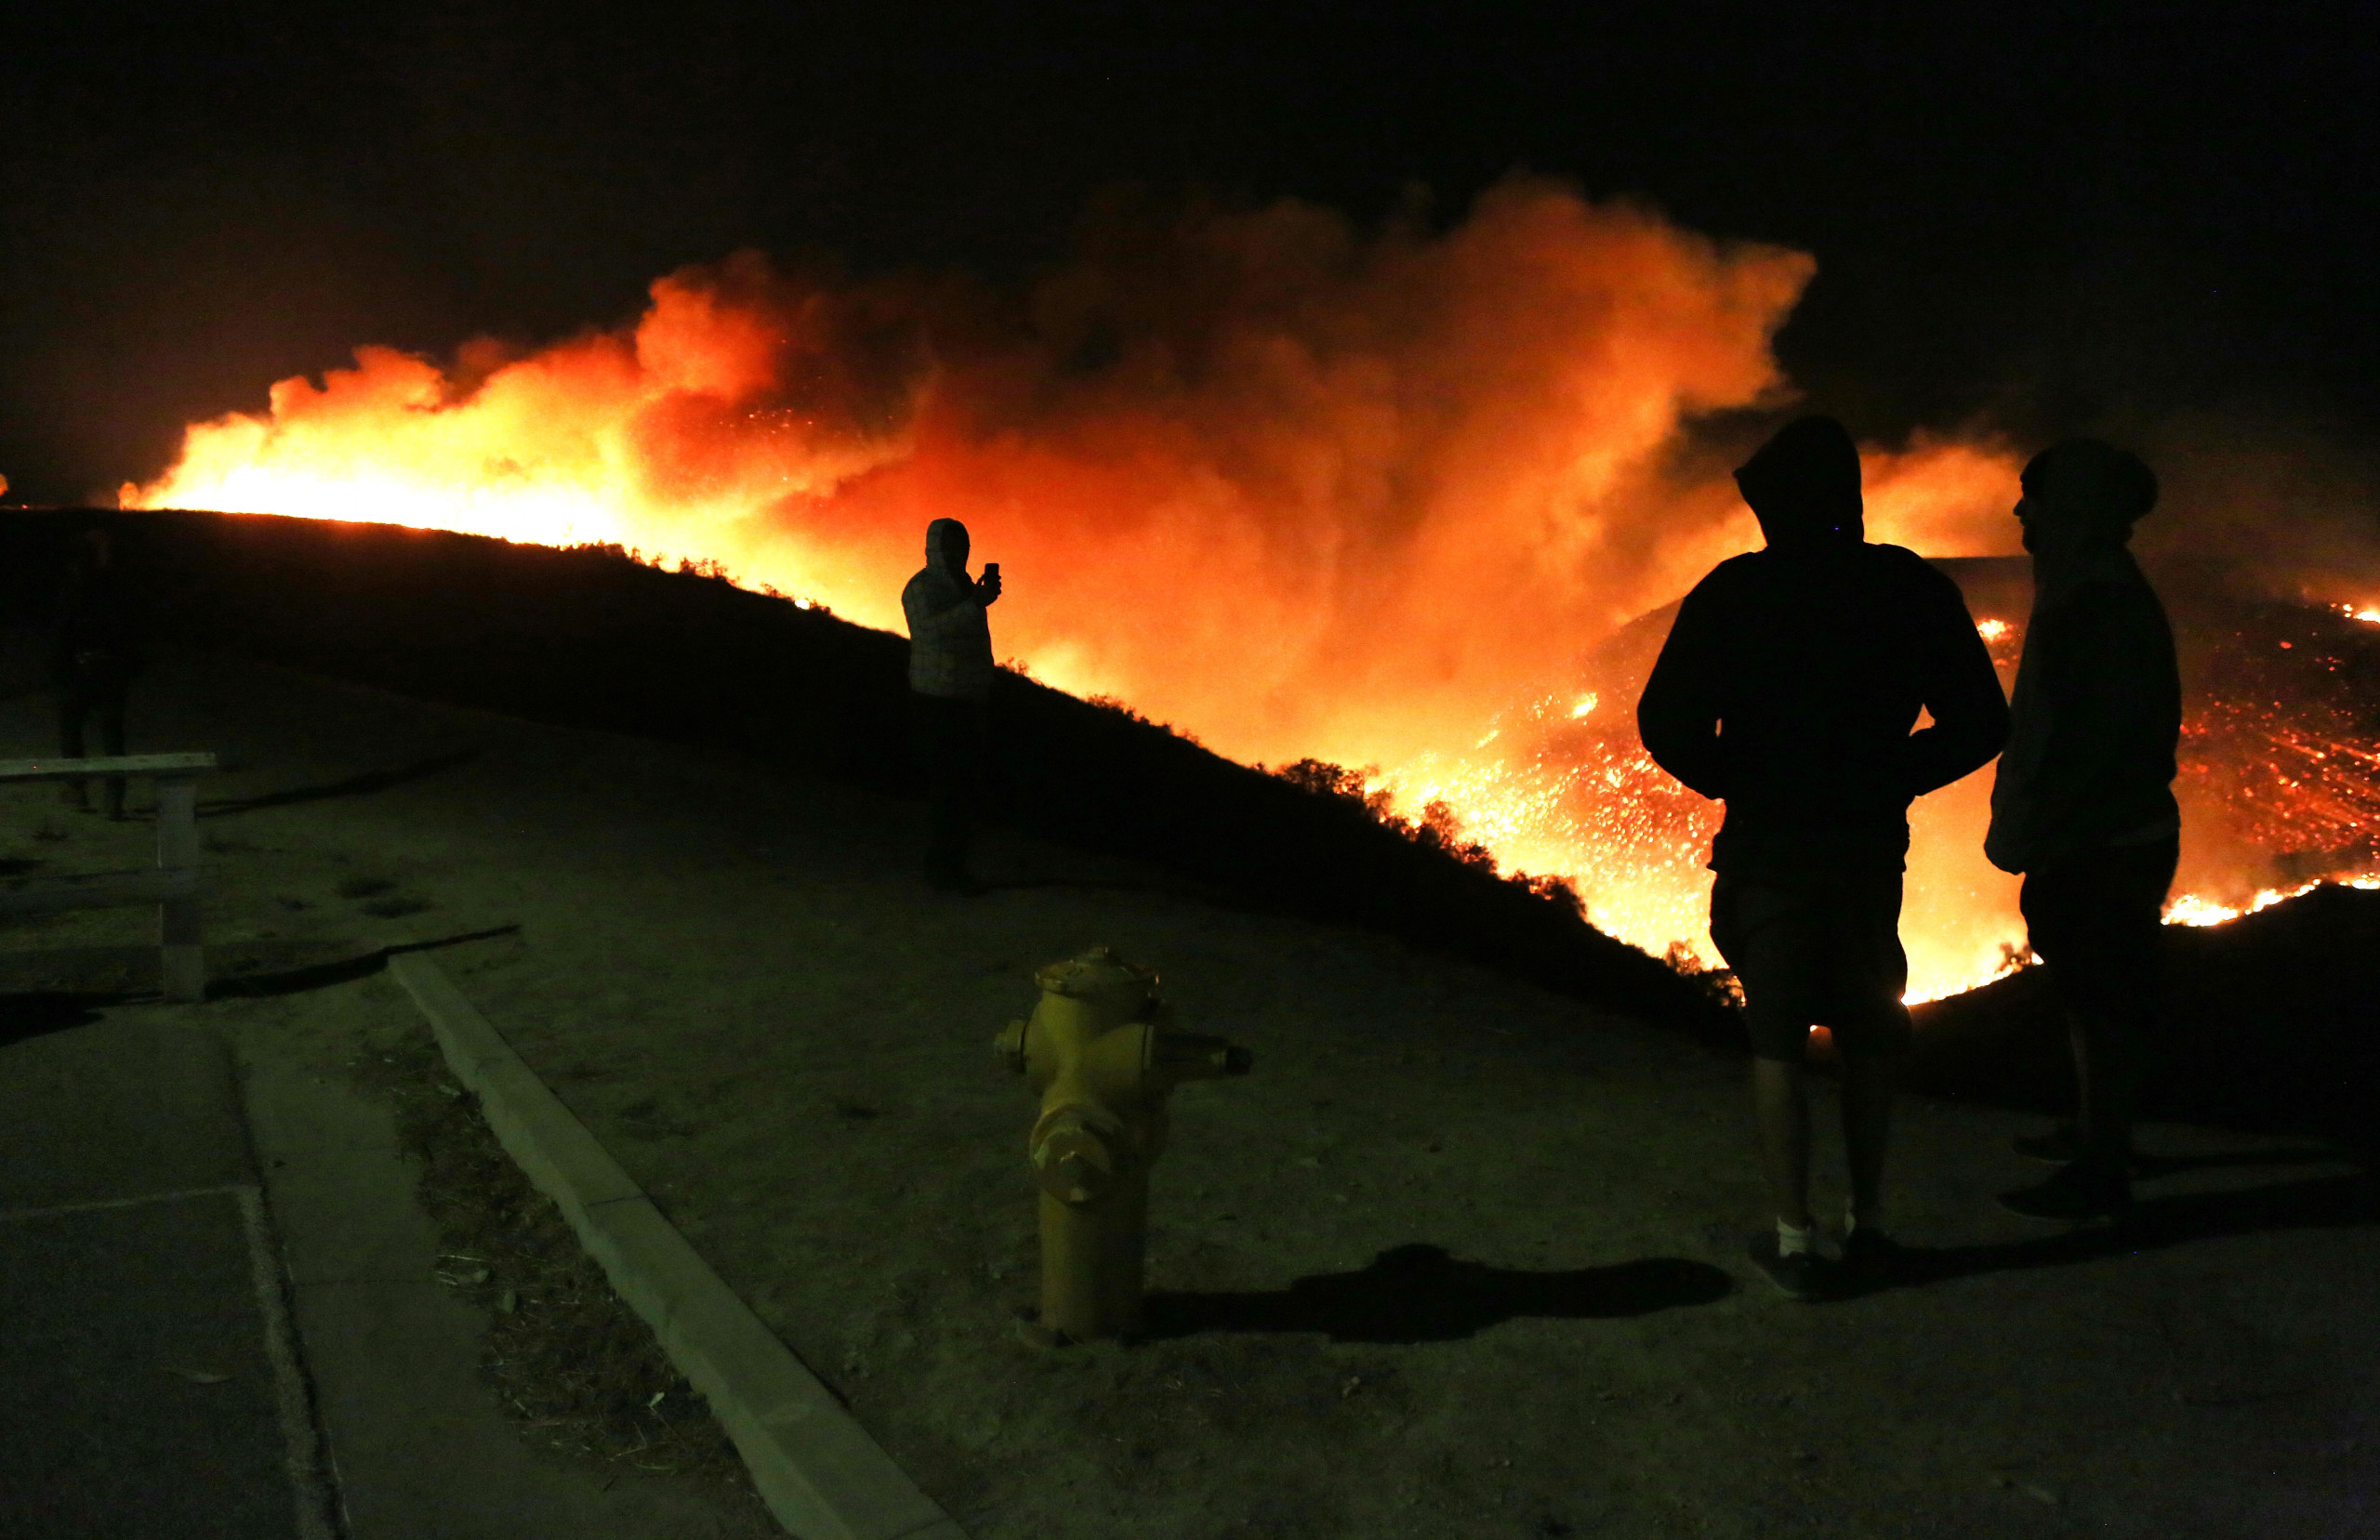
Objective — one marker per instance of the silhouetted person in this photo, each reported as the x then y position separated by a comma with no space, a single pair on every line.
950,683
2083,805
92,662
1787,689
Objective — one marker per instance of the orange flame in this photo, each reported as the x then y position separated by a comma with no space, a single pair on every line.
1300,491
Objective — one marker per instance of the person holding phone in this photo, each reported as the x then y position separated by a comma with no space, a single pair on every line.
950,688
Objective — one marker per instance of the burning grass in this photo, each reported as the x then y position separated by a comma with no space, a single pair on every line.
565,1356
1437,828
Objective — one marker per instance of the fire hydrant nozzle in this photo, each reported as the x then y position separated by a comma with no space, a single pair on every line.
1103,1051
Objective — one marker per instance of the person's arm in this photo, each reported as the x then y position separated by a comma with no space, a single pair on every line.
937,605
1678,716
1961,694
955,598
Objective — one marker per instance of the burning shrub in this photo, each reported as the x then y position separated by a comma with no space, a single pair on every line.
1719,985
1558,891
1439,827
1442,830
1324,778
1118,706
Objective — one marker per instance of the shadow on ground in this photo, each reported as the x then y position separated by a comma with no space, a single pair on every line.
2319,1202
1417,1293
342,970
40,1012
40,992
354,785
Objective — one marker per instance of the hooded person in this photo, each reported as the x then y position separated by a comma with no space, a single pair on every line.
1787,689
950,684
2084,804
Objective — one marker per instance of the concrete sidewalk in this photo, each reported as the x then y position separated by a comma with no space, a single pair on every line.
223,1317
157,1388
417,1442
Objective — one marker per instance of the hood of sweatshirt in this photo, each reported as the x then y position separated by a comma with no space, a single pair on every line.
1803,486
947,548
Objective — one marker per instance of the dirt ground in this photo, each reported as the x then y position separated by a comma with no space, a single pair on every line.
1458,1258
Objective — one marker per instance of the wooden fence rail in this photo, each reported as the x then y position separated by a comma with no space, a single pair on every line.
175,884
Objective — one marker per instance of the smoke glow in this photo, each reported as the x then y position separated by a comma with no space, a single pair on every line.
1299,489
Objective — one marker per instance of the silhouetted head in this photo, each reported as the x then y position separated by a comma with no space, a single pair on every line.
1803,485
2084,494
947,548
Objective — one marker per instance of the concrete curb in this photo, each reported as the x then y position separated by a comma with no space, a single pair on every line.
818,1469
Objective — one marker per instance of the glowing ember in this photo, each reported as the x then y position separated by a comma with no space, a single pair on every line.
1302,492
2368,614
2189,909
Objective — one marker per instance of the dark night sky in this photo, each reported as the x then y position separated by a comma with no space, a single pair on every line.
2062,216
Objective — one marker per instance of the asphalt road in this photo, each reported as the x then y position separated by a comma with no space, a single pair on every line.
154,1387
219,1315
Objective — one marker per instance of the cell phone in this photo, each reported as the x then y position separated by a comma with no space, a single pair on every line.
992,570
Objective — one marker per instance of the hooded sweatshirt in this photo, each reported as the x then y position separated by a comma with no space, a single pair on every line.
1792,676
951,639
2098,718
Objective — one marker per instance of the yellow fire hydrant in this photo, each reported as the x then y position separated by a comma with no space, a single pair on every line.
1102,1050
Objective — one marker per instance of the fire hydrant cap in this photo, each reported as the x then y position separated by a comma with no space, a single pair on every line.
1074,1162
1097,972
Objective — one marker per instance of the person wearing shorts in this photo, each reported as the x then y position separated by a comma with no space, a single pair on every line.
2083,806
1787,689
1816,947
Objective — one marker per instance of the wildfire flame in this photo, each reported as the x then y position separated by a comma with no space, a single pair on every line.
2189,909
1304,491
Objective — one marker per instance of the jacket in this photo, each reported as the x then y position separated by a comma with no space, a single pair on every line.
950,638
2097,715
1788,687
